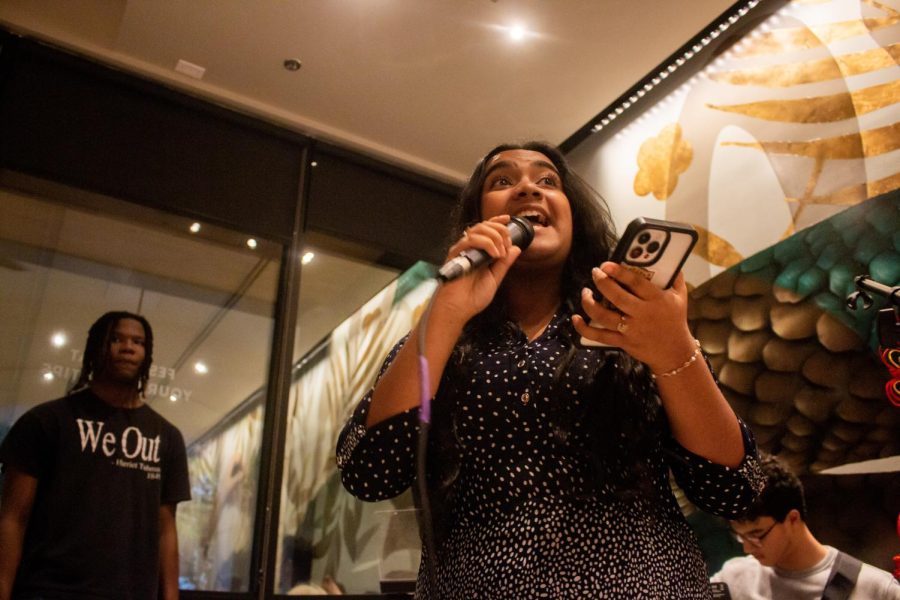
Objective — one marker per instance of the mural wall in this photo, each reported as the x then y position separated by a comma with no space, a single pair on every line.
325,532
326,536
784,153
795,122
801,367
215,528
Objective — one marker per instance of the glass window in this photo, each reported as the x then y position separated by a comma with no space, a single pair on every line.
351,313
208,293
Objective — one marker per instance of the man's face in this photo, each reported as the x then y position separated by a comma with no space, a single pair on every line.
765,538
126,352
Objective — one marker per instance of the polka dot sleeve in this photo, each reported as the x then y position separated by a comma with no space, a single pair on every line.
378,462
724,491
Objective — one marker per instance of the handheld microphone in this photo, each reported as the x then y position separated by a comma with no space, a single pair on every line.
520,230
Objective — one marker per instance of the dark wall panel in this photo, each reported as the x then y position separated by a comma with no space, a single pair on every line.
356,201
73,121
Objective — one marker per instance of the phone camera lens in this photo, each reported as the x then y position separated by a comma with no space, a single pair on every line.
636,252
644,238
652,246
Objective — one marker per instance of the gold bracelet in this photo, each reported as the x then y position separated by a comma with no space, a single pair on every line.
686,364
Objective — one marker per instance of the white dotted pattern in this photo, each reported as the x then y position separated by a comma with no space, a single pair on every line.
527,519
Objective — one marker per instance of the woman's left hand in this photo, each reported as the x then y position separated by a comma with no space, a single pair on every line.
651,324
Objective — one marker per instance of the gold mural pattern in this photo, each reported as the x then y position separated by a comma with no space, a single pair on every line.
855,145
823,109
853,194
660,161
655,159
827,109
715,249
813,71
783,40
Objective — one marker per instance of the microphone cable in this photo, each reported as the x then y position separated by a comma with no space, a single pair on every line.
522,233
426,528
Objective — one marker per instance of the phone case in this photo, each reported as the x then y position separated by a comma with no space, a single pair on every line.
654,248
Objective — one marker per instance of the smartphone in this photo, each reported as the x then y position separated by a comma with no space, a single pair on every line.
653,248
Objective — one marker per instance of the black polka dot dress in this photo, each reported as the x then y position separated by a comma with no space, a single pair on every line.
527,516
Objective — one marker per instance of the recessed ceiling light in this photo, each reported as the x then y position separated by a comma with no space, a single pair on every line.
251,243
307,258
195,227
173,397
48,376
58,339
201,368
517,33
292,64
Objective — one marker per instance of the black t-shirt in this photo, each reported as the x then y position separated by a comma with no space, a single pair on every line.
103,473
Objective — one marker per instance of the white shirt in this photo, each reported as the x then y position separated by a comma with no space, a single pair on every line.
747,579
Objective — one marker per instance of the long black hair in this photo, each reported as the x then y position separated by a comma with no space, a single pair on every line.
96,351
622,421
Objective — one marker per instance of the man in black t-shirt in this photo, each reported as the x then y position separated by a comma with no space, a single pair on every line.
91,482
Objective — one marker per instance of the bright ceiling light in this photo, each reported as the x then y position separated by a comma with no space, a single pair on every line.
195,227
517,33
59,339
251,243
48,376
173,397
307,258
201,368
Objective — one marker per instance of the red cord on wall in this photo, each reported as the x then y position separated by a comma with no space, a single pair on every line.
891,359
897,556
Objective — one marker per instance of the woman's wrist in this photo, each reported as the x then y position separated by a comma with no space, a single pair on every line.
447,318
676,369
672,351
451,311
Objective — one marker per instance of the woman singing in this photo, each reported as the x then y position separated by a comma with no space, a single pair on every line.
548,461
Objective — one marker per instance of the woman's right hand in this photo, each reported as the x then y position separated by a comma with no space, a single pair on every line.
455,302
465,297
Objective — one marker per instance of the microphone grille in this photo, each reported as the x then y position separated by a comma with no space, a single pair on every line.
521,231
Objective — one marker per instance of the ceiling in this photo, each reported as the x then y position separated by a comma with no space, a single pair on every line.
427,85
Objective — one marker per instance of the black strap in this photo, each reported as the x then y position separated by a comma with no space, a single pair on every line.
842,578
720,591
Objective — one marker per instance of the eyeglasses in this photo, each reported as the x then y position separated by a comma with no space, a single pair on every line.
754,540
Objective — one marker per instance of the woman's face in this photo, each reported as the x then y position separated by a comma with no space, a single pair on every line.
525,183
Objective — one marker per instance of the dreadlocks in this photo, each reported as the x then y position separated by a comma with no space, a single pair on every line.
96,351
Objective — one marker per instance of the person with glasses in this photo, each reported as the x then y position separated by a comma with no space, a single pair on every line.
785,560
